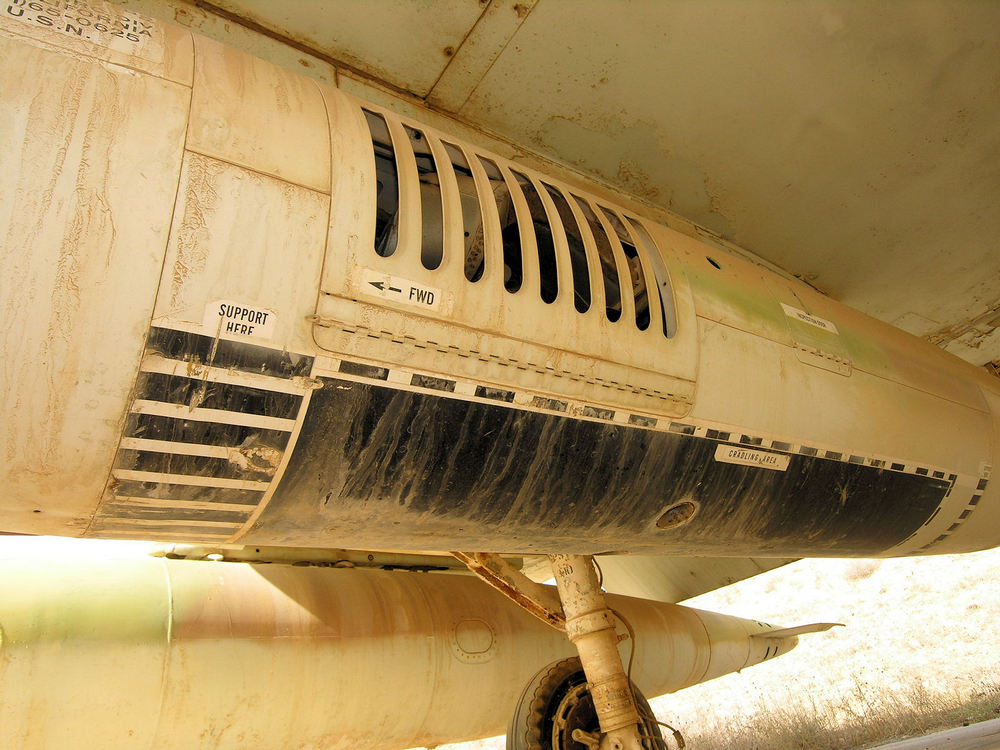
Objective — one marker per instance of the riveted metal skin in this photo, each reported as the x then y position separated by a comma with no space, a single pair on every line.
204,342
245,307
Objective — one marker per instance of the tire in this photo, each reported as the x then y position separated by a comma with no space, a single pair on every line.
556,701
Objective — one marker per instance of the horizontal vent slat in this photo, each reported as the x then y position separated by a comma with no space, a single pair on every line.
130,513
180,430
159,503
193,392
227,355
161,491
107,523
169,446
181,411
257,464
175,367
189,479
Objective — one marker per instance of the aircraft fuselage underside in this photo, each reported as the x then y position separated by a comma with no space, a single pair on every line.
383,465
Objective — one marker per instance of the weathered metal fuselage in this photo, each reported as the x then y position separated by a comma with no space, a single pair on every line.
240,306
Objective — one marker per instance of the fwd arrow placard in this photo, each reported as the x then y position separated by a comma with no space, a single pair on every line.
385,286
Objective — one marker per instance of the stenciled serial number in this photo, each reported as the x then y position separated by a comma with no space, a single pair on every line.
81,20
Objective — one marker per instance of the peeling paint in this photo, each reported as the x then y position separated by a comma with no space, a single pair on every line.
202,200
256,459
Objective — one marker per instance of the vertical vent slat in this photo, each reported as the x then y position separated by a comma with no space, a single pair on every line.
627,255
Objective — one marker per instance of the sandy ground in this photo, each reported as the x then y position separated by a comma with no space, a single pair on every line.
930,621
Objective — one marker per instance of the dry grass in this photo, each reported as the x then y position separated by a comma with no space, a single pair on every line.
919,653
858,719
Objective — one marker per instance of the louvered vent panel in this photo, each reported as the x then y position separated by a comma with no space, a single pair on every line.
207,432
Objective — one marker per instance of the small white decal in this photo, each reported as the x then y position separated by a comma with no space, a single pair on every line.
238,320
408,292
794,312
735,454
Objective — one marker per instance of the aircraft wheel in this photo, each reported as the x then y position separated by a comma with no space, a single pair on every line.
555,702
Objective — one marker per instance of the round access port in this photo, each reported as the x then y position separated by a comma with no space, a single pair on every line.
677,514
473,641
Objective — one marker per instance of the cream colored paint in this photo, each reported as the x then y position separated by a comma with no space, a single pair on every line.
90,172
274,210
254,114
851,143
150,653
123,36
748,380
243,236
488,316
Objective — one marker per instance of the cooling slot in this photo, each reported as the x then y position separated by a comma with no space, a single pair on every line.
626,254
547,264
431,207
193,349
577,250
181,430
386,186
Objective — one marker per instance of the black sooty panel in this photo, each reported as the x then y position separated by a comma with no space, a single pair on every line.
383,465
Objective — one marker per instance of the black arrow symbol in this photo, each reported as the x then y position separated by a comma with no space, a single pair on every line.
380,285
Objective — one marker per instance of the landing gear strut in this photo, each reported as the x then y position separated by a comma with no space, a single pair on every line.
576,704
590,625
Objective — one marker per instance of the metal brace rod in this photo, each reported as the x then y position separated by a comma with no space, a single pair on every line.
540,600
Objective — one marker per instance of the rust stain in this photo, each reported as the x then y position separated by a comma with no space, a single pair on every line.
630,173
190,18
534,598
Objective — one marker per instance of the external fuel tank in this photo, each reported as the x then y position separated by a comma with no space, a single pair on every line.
135,652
